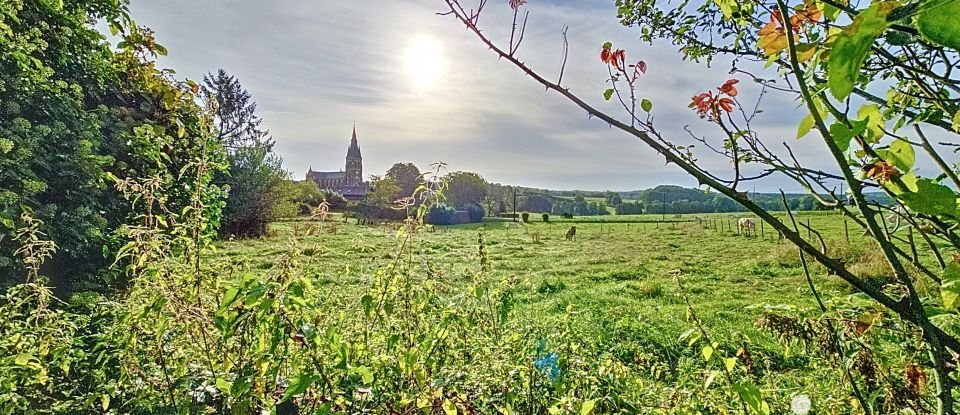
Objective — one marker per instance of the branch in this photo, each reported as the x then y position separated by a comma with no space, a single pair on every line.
902,310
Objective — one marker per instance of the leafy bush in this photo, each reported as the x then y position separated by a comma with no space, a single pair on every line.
525,217
546,217
75,116
475,211
440,215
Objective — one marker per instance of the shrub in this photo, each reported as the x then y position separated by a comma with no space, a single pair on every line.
546,217
475,211
525,217
440,215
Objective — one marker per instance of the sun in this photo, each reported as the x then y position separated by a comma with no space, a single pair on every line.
424,62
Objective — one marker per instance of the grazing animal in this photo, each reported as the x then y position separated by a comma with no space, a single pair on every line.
572,233
746,226
536,237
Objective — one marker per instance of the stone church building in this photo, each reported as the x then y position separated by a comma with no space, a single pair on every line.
349,181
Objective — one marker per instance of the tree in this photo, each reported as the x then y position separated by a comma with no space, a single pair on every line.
79,118
464,187
615,200
407,178
236,116
536,203
384,191
897,60
304,195
256,176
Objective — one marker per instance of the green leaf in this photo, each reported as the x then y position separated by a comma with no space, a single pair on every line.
587,407
707,352
367,302
805,126
365,374
727,7
55,5
104,401
224,385
730,363
937,22
298,385
956,122
842,134
607,94
901,155
7,222
753,398
852,46
931,198
950,286
607,45
875,121
23,359
449,407
909,180
646,105
228,299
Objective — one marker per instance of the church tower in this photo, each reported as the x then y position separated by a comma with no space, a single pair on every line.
354,168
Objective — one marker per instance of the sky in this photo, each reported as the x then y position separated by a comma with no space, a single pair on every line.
421,89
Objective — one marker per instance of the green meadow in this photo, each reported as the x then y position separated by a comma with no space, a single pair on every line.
622,285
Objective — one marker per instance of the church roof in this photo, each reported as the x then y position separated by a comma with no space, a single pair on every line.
326,175
354,150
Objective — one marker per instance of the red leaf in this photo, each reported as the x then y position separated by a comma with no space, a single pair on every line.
605,55
728,87
642,66
726,104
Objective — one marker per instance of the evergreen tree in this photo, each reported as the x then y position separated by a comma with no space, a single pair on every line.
255,178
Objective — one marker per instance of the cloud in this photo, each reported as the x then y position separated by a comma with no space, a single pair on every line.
316,67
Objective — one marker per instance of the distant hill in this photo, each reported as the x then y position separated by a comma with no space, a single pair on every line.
670,199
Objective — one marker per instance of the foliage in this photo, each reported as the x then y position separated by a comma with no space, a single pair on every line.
384,191
440,215
525,217
237,122
407,178
897,61
475,212
256,194
75,113
546,217
536,203
464,188
302,196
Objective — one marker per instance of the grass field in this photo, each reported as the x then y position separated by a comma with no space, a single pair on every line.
616,283
620,269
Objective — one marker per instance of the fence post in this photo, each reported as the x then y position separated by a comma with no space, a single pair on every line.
809,231
846,230
762,234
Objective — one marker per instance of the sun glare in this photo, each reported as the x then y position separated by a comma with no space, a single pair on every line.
424,62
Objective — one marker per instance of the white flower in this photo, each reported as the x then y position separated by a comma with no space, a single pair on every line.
800,405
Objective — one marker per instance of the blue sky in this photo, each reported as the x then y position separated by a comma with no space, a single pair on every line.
315,67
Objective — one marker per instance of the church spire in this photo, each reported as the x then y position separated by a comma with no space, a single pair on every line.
354,150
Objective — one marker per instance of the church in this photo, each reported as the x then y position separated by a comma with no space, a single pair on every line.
347,182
